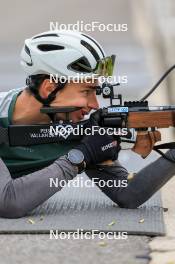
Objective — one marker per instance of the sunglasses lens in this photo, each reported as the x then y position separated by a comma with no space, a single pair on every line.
105,66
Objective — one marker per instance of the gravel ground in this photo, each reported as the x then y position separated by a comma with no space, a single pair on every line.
41,249
163,248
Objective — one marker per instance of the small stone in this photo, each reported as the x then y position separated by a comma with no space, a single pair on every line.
112,223
142,220
31,221
102,244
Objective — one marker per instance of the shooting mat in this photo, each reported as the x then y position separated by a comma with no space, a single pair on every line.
88,209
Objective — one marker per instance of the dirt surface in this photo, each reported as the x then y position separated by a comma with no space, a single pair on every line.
41,250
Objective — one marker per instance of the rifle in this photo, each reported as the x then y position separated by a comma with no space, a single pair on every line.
144,119
138,115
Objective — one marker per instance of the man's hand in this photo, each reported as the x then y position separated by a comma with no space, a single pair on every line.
94,119
99,148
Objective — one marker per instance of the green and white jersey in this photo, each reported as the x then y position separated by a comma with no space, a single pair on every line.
23,160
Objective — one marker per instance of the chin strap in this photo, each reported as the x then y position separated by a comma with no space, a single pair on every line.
33,83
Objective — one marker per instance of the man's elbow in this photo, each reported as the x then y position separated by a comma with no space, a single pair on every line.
11,210
127,203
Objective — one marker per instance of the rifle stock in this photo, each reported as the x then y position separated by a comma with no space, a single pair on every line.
159,119
146,140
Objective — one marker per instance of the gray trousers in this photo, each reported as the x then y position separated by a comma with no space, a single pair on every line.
20,196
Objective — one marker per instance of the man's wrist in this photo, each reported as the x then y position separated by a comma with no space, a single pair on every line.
69,164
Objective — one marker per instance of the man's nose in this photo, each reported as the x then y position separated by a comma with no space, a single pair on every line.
93,102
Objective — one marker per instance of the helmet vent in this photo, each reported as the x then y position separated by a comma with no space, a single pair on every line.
94,43
49,47
46,35
91,49
81,65
27,50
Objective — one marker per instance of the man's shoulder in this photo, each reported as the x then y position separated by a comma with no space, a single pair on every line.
5,101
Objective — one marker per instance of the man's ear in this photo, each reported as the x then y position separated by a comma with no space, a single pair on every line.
46,88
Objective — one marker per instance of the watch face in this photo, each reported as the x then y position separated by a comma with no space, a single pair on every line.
75,156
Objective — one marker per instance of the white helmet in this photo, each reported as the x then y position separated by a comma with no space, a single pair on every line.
64,53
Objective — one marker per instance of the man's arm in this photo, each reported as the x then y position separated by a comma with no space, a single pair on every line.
21,195
141,187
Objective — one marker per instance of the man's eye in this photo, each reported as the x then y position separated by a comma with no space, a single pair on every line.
86,92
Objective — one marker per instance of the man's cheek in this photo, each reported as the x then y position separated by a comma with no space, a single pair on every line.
82,104
82,100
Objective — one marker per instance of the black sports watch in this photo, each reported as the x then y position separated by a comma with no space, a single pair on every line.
76,158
